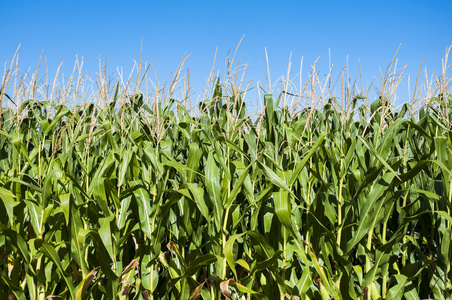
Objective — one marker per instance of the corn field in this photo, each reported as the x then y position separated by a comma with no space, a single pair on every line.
135,195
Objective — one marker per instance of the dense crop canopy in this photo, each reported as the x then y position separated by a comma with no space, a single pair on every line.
147,200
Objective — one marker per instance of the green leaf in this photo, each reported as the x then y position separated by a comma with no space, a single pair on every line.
84,284
283,209
382,161
300,165
106,235
237,186
261,245
368,205
199,261
50,252
144,207
273,178
35,213
197,195
229,250
8,200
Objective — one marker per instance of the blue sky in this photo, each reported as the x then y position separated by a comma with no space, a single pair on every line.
369,31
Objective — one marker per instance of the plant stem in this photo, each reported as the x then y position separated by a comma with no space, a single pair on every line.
224,242
282,295
368,265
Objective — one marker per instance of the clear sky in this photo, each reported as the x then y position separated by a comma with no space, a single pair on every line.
369,31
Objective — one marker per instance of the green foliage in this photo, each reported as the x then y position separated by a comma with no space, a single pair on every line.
129,201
